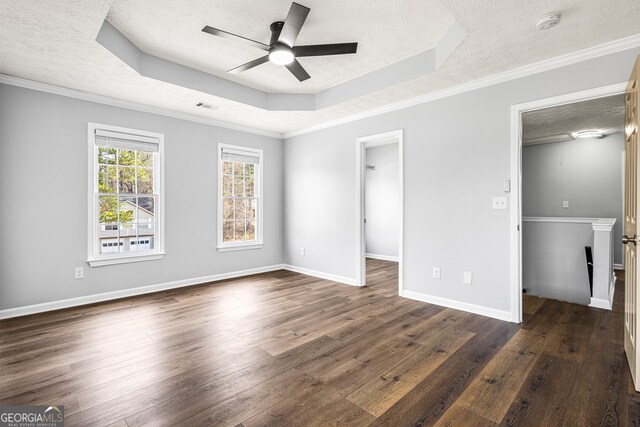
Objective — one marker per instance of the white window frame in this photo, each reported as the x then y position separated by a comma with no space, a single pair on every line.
94,257
251,244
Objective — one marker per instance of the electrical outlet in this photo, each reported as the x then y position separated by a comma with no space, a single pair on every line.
565,204
499,203
436,272
301,251
466,277
79,273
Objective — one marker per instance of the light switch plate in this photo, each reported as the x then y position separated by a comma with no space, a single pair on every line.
466,277
499,203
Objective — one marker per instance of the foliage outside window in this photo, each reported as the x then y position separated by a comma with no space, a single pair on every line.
239,223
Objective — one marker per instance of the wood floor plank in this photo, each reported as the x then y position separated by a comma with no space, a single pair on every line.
633,413
222,381
607,327
282,348
461,417
184,403
382,392
430,399
252,401
324,408
20,367
531,304
235,360
491,394
391,338
537,403
599,394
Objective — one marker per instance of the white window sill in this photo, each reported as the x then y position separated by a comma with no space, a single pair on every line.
240,247
124,259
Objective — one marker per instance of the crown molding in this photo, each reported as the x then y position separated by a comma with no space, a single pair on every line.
527,70
524,71
130,105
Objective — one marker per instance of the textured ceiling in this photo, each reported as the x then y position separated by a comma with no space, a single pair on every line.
384,34
54,42
604,114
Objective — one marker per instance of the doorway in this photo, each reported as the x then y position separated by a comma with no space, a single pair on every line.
517,213
379,191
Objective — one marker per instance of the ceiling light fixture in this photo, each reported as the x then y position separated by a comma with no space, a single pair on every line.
547,21
591,133
281,54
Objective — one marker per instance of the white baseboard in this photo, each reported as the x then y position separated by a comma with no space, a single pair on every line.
600,303
321,275
383,257
604,303
107,296
458,305
618,267
124,293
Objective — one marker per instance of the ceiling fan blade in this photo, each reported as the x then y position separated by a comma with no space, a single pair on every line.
249,65
231,36
293,23
325,49
297,70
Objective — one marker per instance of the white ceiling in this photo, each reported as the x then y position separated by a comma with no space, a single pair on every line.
54,42
385,34
604,114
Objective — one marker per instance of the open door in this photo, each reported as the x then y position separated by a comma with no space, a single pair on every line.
630,238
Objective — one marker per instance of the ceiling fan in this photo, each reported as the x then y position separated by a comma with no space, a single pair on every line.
281,49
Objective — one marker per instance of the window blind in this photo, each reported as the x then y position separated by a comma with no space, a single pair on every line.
126,141
232,155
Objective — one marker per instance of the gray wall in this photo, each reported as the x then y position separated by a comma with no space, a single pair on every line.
456,156
43,186
586,172
553,260
382,200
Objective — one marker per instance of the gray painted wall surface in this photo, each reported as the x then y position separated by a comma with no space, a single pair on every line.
382,200
43,177
456,156
553,260
586,172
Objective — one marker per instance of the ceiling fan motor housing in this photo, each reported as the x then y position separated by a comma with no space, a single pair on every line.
279,53
276,29
281,50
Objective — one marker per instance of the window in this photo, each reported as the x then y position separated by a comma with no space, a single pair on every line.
239,198
125,195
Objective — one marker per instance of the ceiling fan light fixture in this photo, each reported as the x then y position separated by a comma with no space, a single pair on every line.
282,49
590,133
281,55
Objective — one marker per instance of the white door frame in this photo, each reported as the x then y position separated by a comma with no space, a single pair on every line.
392,137
516,177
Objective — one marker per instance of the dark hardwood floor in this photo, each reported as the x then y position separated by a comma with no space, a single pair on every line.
292,350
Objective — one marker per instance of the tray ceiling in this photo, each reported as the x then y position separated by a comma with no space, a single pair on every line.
55,43
386,32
